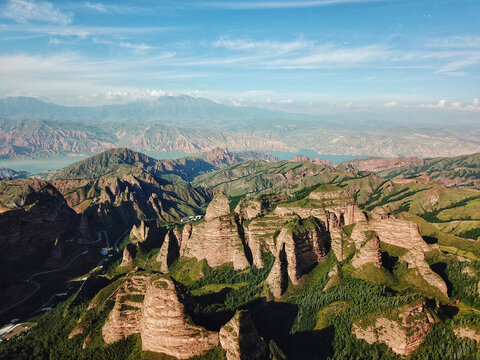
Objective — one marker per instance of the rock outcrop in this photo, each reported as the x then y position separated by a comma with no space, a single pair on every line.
219,206
369,253
305,243
170,250
152,306
335,207
124,318
277,278
129,253
261,235
468,333
164,327
218,241
403,234
240,340
301,244
403,331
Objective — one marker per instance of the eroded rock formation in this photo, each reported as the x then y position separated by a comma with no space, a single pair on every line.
219,206
129,253
403,331
152,306
403,234
170,250
240,340
369,253
164,327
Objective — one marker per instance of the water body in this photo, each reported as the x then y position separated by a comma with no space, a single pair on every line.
286,155
38,165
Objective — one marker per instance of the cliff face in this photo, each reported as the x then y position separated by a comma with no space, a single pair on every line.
240,340
218,239
335,208
124,318
261,234
369,253
164,327
300,245
403,334
403,234
152,307
170,250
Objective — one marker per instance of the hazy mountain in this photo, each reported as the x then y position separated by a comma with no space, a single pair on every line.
10,173
178,111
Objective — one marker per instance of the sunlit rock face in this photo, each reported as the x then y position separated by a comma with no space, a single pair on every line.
164,327
403,234
152,306
403,332
218,239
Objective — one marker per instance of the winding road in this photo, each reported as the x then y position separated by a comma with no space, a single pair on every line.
30,280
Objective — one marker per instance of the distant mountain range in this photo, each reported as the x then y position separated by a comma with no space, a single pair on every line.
30,127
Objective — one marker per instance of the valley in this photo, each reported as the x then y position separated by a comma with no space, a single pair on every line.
299,259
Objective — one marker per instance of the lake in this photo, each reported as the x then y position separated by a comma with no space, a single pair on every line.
38,165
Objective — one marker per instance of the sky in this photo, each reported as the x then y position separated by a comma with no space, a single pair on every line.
303,56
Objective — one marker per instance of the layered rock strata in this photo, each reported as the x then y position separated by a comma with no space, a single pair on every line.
124,318
219,206
240,340
300,245
261,235
152,306
164,327
170,250
369,253
334,208
404,333
403,234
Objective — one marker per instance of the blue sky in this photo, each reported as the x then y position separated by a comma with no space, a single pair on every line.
306,55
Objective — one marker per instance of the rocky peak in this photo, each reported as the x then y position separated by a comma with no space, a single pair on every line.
219,206
403,330
240,340
129,253
170,250
165,328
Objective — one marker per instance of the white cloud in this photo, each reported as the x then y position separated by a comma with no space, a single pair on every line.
122,96
440,105
391,104
454,106
286,101
24,11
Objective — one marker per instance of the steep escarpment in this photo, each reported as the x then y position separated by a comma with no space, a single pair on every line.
403,330
300,245
220,230
404,235
334,206
152,306
165,328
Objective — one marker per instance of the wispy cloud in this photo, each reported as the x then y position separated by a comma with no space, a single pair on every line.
23,11
259,5
111,8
